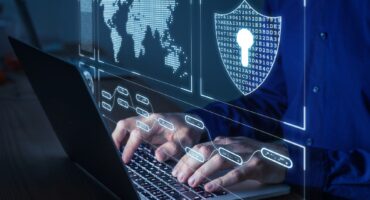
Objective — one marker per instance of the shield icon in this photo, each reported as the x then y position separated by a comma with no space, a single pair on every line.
248,43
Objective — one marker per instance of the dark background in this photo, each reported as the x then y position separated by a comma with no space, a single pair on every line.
55,22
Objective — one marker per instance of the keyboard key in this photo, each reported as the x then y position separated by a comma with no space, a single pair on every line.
151,188
191,195
172,193
179,197
152,198
220,193
156,178
152,179
165,188
198,189
145,194
171,181
160,184
156,193
205,194
181,188
144,184
162,196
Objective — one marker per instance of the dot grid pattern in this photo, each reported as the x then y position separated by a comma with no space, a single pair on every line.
158,15
86,26
110,8
266,31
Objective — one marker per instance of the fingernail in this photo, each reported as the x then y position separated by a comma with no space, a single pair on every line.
210,187
124,159
161,155
174,172
191,181
180,177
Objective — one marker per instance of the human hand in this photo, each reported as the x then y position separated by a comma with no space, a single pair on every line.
255,168
169,141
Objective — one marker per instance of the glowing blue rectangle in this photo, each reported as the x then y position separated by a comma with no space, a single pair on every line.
123,103
106,95
166,124
141,125
122,91
106,106
230,156
194,154
142,112
140,98
277,158
194,122
86,27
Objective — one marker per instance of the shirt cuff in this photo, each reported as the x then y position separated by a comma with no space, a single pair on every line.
317,167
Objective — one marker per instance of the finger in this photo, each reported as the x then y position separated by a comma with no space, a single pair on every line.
122,130
219,138
215,164
187,169
132,145
223,140
119,134
176,169
190,165
179,165
166,151
231,178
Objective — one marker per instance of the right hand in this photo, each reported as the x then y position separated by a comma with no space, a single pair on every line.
170,143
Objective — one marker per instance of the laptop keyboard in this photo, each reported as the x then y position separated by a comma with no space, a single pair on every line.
154,180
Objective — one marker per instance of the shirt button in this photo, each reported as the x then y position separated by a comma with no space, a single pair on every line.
309,142
315,89
324,35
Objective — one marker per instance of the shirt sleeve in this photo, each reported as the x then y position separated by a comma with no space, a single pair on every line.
344,174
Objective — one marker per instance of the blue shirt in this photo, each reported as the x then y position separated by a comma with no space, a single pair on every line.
337,135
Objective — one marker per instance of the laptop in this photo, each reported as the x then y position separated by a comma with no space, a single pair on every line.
72,112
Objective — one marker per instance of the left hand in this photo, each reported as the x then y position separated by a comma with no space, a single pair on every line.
257,168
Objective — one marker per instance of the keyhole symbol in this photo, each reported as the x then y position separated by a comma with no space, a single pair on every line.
245,40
